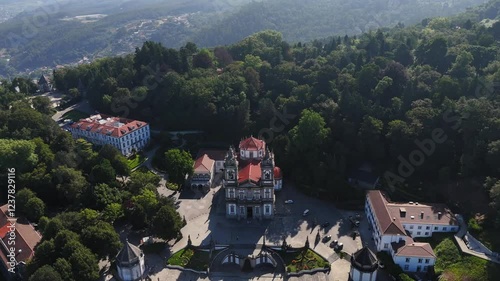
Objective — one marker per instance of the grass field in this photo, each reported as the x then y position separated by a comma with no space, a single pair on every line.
75,115
135,161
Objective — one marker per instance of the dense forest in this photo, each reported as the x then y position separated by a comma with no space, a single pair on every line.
52,35
419,103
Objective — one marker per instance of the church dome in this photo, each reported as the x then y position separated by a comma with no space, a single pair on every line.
364,260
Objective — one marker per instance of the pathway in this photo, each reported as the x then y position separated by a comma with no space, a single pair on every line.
476,248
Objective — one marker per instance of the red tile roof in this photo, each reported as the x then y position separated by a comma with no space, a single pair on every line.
277,173
429,211
106,125
204,164
215,154
251,171
252,143
409,248
26,238
387,223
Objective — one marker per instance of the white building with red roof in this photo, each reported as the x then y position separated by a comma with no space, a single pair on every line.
21,237
125,134
394,225
250,178
203,173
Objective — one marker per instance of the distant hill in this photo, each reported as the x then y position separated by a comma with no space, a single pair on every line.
70,30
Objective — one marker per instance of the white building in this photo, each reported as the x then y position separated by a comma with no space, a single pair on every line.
124,134
218,155
130,263
364,265
203,173
394,225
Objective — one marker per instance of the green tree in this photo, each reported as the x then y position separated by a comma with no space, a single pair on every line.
42,104
167,223
35,209
105,195
20,152
112,212
102,239
22,198
139,179
84,264
63,267
103,173
70,183
46,273
179,164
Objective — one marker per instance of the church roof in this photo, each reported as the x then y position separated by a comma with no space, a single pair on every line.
128,255
252,143
251,171
364,260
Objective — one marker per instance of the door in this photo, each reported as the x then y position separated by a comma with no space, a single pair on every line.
249,212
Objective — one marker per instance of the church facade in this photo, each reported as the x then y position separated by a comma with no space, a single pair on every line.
249,181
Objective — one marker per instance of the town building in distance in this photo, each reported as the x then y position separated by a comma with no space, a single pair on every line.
126,135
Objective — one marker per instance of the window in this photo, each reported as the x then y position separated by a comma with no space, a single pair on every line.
411,233
419,227
256,194
232,209
427,234
231,193
407,267
411,226
427,227
241,194
267,193
257,210
407,260
420,260
418,232
427,260
267,209
386,245
425,268
444,228
435,228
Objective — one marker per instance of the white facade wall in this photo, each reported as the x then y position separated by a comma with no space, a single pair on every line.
137,139
414,264
357,275
426,230
132,273
219,165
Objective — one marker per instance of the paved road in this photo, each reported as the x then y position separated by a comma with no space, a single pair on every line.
82,106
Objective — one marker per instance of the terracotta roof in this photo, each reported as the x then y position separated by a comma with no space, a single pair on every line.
128,255
430,213
215,154
387,223
409,248
26,238
251,171
252,143
277,173
203,164
364,260
106,125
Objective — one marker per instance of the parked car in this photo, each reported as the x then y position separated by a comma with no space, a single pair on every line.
381,264
327,238
354,234
326,224
288,201
334,243
306,212
358,217
338,247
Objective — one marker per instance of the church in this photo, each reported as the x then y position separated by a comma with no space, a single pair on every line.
250,178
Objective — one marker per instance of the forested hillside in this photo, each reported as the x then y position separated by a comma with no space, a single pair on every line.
67,31
420,104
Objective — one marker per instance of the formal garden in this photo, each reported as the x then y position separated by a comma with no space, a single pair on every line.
300,260
191,258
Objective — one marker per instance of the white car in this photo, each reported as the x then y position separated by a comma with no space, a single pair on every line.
288,201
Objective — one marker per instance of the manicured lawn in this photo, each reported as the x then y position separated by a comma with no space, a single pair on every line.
75,115
143,170
135,161
303,260
189,258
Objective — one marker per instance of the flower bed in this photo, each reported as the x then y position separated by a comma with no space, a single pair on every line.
303,260
190,258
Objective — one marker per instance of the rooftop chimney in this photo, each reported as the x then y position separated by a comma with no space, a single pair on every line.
411,203
422,215
440,215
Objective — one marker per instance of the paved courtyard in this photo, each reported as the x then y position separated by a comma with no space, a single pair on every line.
206,220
